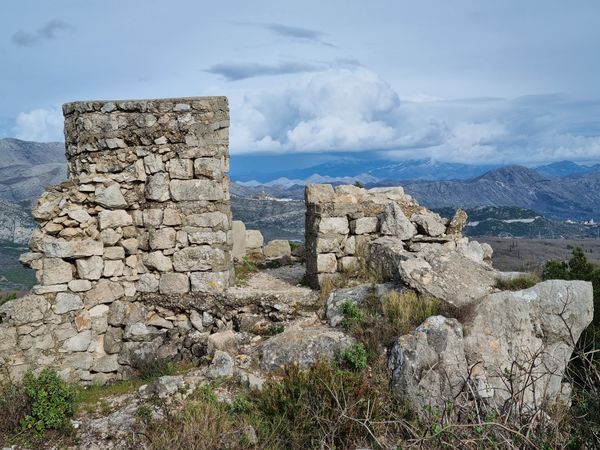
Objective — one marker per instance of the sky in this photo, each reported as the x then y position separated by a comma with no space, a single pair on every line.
462,81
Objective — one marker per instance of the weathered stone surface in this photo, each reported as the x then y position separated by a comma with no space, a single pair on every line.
239,239
209,281
80,285
429,223
104,292
110,197
277,248
157,187
199,258
356,295
428,367
114,253
90,268
76,248
221,365
181,169
303,346
537,328
458,222
393,222
511,352
78,343
162,238
194,190
224,341
67,302
157,260
337,225
56,271
447,275
174,283
106,363
364,225
114,219
326,263
147,283
30,308
254,239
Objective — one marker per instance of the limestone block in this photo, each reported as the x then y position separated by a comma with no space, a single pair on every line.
208,220
130,245
80,285
326,263
393,222
277,248
198,258
114,219
114,253
201,236
209,281
319,193
56,271
113,269
349,264
239,239
147,283
157,260
104,292
254,239
78,343
110,197
77,248
105,364
157,187
79,215
153,163
364,225
67,302
163,238
224,341
429,223
208,168
194,190
182,169
171,217
174,283
338,225
152,217
110,237
90,268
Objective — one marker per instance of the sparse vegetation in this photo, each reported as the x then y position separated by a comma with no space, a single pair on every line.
243,270
516,284
7,297
355,358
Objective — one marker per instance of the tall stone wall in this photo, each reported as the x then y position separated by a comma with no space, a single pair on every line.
144,212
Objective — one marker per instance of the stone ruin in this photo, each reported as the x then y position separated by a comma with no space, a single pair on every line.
134,261
133,255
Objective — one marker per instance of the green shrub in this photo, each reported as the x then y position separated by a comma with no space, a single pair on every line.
352,315
52,402
355,358
15,405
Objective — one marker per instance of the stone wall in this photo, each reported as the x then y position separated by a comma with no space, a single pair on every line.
341,221
145,212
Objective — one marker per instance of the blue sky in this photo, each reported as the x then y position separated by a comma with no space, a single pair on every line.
462,81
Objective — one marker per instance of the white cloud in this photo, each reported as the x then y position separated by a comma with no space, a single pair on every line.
353,109
41,125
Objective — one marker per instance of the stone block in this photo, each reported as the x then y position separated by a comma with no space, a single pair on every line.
209,281
200,258
277,248
239,239
254,239
114,219
182,169
174,283
336,225
195,190
66,302
326,263
56,271
162,238
364,225
90,268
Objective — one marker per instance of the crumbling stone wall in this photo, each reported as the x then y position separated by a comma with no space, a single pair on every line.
145,212
341,221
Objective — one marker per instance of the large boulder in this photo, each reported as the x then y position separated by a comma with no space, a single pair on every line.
428,367
511,351
303,346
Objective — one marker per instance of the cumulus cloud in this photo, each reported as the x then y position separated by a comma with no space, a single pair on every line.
353,109
41,125
47,32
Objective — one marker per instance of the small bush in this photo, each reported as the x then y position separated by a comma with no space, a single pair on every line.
352,315
52,402
15,405
152,368
517,284
355,358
